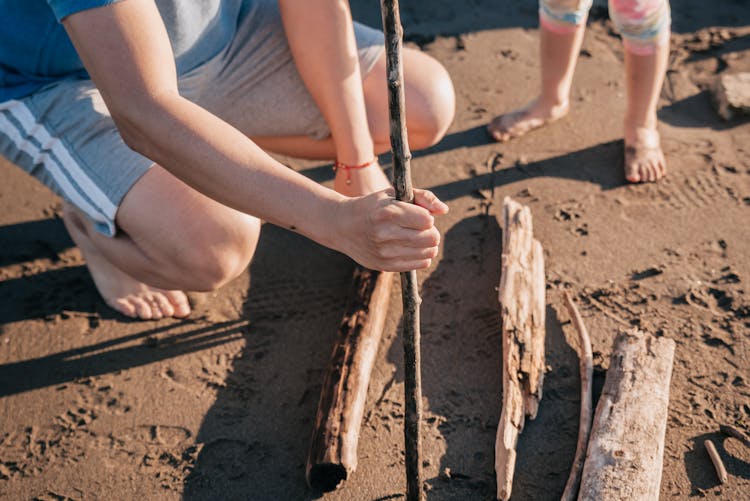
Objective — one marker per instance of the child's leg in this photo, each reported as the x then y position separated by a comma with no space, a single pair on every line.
562,25
644,26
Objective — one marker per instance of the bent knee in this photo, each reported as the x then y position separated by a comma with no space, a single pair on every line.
211,260
436,102
429,95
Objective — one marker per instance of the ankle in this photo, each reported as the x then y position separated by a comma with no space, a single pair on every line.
553,106
634,123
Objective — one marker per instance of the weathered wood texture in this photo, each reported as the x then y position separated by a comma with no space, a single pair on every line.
522,305
409,291
626,448
721,470
586,367
333,449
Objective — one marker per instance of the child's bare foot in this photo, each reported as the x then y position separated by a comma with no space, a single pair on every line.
532,116
644,159
361,181
119,290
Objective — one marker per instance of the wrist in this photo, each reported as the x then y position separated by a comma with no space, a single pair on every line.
330,221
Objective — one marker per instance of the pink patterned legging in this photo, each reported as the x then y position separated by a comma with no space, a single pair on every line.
643,24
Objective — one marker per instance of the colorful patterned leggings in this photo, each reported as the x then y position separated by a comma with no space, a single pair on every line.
643,24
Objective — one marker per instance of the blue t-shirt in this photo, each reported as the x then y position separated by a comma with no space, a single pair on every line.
35,49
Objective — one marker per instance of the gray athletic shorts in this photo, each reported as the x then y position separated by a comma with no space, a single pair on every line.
64,136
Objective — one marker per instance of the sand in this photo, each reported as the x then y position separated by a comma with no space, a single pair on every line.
221,405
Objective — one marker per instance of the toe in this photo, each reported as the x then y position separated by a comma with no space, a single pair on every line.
632,173
662,167
123,306
156,312
142,308
494,132
180,303
646,172
165,306
655,171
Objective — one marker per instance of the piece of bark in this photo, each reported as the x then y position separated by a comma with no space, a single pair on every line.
394,35
333,449
721,470
586,367
522,300
626,448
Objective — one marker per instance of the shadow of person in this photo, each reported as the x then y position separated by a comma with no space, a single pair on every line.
461,378
698,464
256,435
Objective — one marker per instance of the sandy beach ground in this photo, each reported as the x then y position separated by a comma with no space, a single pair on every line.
221,405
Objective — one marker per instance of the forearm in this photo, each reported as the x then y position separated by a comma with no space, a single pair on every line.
321,38
219,161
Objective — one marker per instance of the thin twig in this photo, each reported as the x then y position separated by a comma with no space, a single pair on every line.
586,365
731,431
721,471
410,294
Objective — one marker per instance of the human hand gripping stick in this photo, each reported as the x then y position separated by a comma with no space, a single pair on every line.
382,233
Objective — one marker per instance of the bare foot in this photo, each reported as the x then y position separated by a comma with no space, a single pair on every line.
361,181
644,160
119,290
517,123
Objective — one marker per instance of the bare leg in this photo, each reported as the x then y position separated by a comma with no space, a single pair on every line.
430,106
558,56
644,75
171,238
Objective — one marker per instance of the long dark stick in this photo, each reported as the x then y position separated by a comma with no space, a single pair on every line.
410,294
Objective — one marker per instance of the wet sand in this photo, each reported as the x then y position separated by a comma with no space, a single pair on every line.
221,405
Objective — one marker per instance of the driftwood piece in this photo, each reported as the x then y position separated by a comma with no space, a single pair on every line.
626,448
333,449
394,34
731,431
586,366
721,470
522,300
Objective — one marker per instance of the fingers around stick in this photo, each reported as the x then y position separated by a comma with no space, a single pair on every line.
400,253
429,201
408,237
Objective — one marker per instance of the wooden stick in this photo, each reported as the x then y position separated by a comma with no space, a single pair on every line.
731,431
626,448
586,367
409,291
721,470
333,449
522,299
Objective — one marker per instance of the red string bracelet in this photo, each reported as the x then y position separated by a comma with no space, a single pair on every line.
340,165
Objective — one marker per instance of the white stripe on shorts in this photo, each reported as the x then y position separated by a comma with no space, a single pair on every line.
66,162
54,168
